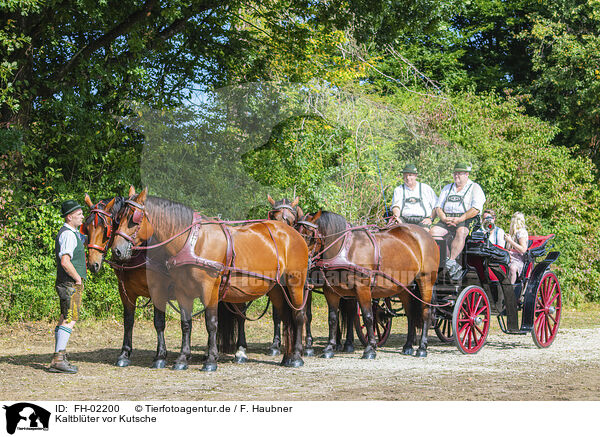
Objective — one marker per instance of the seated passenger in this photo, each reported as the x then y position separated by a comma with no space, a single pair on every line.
517,242
413,201
459,204
489,226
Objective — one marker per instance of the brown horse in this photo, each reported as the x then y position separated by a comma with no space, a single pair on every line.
290,213
363,264
216,262
134,276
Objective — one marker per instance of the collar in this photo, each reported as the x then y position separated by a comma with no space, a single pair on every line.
70,227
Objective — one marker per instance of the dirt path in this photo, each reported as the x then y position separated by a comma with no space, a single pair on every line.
508,368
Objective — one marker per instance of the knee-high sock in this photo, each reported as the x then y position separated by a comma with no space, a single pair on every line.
61,335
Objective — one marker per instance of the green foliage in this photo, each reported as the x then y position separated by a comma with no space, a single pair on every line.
565,51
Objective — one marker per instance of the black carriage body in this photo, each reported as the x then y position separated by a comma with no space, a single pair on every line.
486,265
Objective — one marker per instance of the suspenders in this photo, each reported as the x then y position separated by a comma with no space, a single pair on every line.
462,198
420,201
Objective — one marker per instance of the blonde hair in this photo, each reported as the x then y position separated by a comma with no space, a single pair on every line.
517,222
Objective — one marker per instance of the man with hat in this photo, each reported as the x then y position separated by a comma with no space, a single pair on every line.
413,201
70,274
458,206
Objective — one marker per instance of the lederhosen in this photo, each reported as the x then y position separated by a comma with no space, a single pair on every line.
415,220
456,198
68,292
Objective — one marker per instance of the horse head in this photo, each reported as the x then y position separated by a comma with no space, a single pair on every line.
285,211
308,227
98,226
134,226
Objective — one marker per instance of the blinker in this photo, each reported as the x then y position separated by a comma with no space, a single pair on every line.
137,217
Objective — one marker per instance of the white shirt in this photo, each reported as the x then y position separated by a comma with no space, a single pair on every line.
474,198
497,236
67,242
415,209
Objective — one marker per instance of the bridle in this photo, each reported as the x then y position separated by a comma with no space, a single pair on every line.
139,212
284,206
312,233
97,213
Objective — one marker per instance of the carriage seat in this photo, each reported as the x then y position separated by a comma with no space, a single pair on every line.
537,247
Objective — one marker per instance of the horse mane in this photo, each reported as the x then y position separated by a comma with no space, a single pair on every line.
284,201
331,223
172,214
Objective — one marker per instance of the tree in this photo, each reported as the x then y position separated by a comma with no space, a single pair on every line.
566,58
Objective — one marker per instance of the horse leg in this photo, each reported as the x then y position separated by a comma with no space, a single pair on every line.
275,348
185,307
349,313
333,304
308,348
364,300
160,360
425,282
283,312
128,320
407,303
212,356
241,345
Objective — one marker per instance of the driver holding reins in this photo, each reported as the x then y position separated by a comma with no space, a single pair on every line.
458,206
413,201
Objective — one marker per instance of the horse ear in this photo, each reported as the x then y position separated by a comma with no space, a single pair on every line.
295,202
88,201
299,212
109,206
141,198
270,199
131,191
316,216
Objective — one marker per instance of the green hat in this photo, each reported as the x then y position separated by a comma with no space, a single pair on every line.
462,166
410,168
69,206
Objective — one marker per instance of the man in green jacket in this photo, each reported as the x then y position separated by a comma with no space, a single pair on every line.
70,273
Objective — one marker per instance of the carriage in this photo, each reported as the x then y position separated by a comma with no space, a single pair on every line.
464,307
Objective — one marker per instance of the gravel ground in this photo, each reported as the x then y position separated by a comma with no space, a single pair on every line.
508,368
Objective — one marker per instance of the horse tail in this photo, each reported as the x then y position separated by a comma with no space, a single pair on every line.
226,329
415,310
345,306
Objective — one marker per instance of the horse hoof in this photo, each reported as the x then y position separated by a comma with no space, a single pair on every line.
122,362
293,362
309,352
239,359
180,366
369,355
159,364
421,353
407,351
348,348
273,352
209,367
327,354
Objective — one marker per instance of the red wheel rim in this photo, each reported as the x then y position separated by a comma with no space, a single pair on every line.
471,320
548,308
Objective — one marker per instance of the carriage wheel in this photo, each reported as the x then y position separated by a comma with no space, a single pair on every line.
471,320
548,308
443,329
382,325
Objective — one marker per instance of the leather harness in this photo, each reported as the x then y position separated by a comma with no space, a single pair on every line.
341,262
187,255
